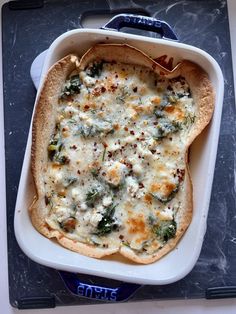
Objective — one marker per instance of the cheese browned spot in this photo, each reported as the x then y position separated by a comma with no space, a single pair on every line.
116,135
164,188
136,225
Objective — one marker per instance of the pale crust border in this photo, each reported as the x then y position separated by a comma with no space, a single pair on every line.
44,123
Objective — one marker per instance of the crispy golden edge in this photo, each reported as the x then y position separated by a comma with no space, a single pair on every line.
202,94
44,115
43,125
120,53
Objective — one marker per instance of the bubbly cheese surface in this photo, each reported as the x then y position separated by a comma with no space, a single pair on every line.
116,158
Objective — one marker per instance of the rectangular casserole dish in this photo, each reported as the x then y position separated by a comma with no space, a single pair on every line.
202,164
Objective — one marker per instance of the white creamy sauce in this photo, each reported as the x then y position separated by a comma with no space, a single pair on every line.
116,158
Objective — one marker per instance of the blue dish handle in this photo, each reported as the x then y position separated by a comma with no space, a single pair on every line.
97,292
141,22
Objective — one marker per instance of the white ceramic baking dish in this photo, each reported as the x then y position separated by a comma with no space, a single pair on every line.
181,260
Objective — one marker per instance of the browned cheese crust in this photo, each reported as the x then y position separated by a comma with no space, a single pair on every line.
44,123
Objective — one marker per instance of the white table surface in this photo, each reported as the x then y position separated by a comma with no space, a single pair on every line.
161,307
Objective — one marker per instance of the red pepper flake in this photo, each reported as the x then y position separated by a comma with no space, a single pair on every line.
141,186
126,129
116,76
139,157
180,174
86,107
128,165
109,154
78,172
121,237
113,88
153,151
132,132
135,145
103,89
135,89
94,144
96,91
103,173
73,146
104,145
142,133
155,123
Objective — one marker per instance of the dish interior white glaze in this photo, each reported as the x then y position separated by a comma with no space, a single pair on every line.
182,259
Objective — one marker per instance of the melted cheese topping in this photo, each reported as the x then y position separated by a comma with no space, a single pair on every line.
116,162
